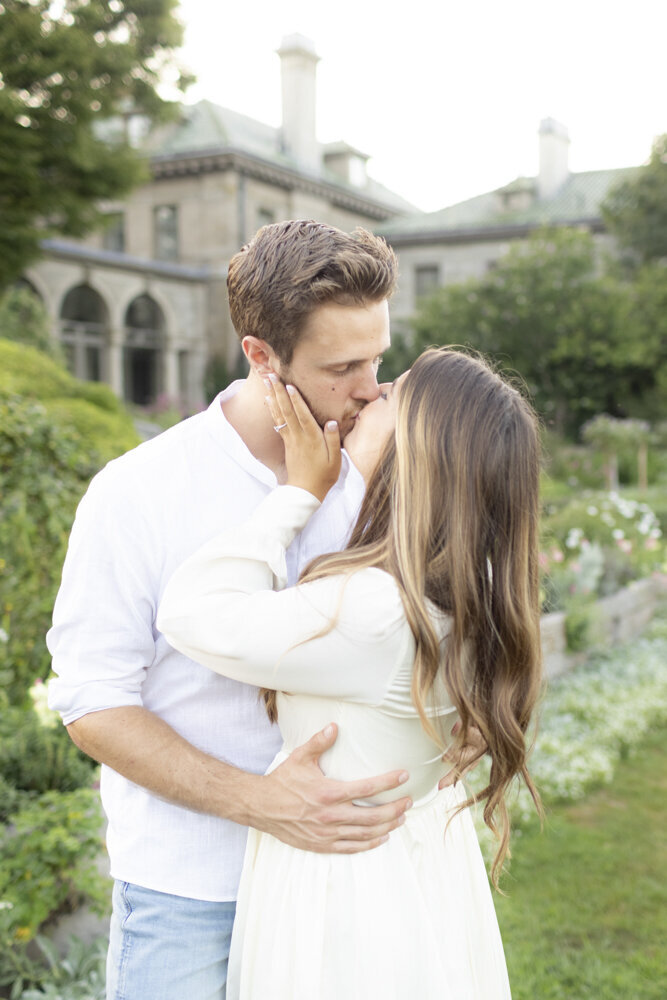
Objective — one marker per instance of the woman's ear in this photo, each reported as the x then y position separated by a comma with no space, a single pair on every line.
261,357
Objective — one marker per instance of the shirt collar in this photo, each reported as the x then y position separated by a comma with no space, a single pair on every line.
237,449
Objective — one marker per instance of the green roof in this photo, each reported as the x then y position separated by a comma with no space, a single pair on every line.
208,128
517,204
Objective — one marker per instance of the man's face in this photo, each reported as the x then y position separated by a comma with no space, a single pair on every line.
335,363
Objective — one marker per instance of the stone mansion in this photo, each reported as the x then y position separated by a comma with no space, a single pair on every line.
141,304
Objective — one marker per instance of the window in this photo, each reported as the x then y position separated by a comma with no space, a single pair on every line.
113,236
427,279
165,229
84,332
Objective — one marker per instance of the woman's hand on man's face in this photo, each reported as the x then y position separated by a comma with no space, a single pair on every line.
312,454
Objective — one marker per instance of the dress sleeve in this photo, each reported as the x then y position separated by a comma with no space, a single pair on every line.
341,636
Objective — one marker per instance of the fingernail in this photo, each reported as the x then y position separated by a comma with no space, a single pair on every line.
409,805
273,377
401,820
383,840
403,776
332,425
267,384
328,732
290,389
267,399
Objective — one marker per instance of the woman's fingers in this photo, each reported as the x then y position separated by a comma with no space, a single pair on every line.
332,440
280,403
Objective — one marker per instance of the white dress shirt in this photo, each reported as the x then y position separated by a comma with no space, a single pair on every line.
142,516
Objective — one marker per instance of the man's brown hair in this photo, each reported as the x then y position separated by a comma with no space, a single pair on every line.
289,268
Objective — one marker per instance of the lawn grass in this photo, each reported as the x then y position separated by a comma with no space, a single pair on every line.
585,916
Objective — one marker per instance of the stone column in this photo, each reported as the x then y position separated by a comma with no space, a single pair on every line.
171,386
116,375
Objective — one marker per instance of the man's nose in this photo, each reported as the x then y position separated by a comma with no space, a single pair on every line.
367,387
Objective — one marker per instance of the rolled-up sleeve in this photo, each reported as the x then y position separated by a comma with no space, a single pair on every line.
102,640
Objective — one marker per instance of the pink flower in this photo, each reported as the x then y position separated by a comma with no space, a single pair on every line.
557,555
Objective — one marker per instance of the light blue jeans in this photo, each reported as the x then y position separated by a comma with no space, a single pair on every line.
164,947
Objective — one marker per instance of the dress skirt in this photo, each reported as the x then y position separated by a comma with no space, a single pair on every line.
411,920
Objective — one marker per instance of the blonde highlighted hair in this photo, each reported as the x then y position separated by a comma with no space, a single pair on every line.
451,512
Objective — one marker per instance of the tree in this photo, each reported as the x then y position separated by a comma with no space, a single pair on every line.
635,212
546,312
71,75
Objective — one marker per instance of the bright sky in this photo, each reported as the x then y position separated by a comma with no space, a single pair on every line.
447,96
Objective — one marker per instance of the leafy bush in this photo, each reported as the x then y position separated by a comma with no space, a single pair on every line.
81,975
25,320
98,432
47,861
25,371
591,718
43,473
36,758
596,544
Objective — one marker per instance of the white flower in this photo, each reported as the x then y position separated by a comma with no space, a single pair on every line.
592,510
3,636
618,533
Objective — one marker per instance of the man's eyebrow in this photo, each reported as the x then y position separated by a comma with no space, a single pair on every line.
352,361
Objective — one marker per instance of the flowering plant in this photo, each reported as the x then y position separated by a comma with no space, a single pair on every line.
591,718
596,545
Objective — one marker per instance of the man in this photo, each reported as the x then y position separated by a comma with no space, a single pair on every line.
184,750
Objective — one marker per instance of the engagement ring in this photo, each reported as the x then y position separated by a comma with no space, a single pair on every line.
279,427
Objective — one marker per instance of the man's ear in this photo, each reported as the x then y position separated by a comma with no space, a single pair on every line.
261,357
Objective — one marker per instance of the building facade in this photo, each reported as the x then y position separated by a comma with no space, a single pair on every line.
141,304
466,240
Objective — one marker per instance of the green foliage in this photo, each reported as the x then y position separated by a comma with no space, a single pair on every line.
48,453
547,312
585,917
47,862
219,374
43,474
580,626
35,758
636,211
24,319
25,371
80,975
67,70
98,432
592,546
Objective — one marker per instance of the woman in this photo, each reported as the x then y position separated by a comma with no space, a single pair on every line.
431,610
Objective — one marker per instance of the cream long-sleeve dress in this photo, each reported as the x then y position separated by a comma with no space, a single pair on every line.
412,919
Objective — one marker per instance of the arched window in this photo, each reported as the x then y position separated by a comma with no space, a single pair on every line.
84,332
143,356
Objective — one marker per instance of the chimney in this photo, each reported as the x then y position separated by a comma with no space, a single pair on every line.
554,169
298,64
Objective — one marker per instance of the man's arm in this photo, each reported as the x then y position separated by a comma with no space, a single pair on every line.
295,802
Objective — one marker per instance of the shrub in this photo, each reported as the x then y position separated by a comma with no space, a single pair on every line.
594,545
591,718
43,473
101,433
25,320
25,371
37,758
47,861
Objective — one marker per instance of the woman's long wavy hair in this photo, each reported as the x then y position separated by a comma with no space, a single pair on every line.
451,512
